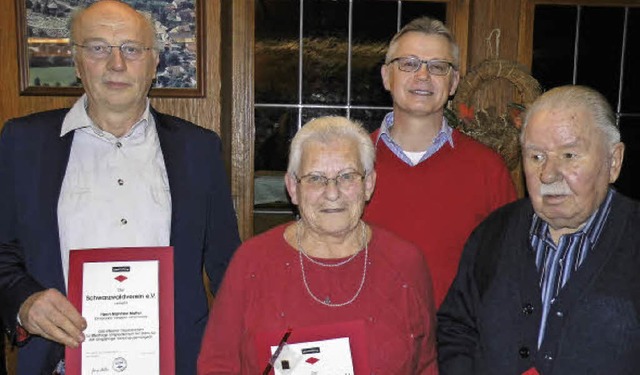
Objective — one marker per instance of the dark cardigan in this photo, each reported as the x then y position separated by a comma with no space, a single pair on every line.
488,323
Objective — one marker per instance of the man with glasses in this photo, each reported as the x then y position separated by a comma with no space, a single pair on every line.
434,183
109,172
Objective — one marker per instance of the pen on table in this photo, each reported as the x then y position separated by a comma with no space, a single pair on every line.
275,355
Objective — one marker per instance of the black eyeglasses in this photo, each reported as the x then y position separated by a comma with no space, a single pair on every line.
412,64
101,50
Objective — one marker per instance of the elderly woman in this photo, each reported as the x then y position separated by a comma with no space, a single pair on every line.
345,297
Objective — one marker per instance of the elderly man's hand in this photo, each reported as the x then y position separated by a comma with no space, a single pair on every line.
49,314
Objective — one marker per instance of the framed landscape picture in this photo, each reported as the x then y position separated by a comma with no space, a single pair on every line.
46,56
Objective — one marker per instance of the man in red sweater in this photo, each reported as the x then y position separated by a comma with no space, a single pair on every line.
434,183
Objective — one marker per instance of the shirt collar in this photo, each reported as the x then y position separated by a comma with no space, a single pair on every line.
78,118
446,132
540,229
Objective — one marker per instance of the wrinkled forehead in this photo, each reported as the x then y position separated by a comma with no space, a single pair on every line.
557,115
561,123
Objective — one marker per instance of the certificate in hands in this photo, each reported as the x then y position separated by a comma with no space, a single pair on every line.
124,294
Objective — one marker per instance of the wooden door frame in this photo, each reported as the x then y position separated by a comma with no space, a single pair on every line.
237,99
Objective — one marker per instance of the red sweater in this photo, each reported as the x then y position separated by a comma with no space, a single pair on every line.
438,202
263,294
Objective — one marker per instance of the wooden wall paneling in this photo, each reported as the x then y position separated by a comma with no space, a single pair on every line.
525,33
487,16
8,62
487,19
237,105
493,33
458,19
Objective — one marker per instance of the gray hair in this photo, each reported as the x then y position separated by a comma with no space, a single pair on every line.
428,26
327,129
570,96
147,16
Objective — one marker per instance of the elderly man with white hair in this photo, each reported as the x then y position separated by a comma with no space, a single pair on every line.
550,284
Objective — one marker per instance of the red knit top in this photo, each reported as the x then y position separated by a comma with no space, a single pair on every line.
438,202
263,294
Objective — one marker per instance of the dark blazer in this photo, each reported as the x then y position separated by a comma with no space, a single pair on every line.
33,160
488,323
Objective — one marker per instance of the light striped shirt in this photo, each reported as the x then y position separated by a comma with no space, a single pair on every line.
556,264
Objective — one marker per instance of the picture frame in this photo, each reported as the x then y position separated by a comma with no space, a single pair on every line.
45,53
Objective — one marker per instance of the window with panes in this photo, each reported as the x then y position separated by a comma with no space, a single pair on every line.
315,58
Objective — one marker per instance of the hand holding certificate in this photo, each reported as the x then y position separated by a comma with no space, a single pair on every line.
124,295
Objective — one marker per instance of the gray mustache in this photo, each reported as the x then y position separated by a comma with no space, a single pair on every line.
556,188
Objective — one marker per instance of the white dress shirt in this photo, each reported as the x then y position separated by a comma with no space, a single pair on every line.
115,191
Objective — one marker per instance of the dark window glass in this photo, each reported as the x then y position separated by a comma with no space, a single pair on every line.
277,19
628,184
309,114
274,129
325,52
374,23
597,68
415,9
631,82
554,34
276,51
370,118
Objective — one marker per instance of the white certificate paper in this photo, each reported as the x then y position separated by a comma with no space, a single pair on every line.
120,303
326,357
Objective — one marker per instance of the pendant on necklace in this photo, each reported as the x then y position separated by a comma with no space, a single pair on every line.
327,300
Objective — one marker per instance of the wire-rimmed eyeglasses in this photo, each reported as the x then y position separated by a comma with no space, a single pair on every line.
412,64
344,181
101,50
